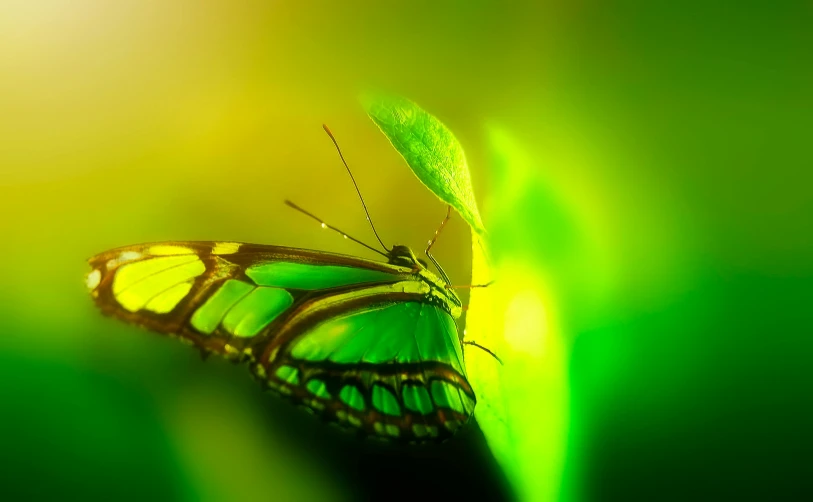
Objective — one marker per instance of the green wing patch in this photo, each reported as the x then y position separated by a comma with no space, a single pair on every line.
286,274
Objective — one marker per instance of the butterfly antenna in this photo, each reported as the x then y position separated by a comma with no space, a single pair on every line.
364,205
325,225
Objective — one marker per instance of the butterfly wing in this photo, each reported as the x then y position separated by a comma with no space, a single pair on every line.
362,342
223,297
381,358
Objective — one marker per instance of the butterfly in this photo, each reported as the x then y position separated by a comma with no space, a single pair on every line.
371,345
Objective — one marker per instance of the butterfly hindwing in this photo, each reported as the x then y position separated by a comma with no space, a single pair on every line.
223,297
380,359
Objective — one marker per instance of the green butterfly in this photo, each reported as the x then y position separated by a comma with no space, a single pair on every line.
371,345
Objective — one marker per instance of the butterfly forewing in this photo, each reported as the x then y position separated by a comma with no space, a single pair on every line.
222,296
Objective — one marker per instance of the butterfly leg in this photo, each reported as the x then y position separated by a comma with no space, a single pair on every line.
432,243
442,224
492,354
470,286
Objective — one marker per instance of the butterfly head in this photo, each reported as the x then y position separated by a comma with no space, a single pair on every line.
403,256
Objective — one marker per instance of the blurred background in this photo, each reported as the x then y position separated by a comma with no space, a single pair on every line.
643,168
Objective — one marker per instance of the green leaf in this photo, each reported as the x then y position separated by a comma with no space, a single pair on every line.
431,151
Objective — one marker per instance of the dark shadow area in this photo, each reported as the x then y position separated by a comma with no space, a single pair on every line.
458,469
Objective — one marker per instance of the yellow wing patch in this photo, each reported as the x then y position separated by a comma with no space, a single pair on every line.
157,284
222,248
169,249
166,301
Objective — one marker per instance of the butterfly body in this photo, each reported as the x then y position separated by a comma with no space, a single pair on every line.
371,345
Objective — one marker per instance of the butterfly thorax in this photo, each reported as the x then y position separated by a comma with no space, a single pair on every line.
440,293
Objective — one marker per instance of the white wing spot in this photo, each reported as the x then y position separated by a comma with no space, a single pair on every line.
129,256
93,278
124,257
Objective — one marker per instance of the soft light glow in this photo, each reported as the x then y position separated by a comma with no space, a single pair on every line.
526,323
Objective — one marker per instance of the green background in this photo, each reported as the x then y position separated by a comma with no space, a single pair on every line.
643,166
